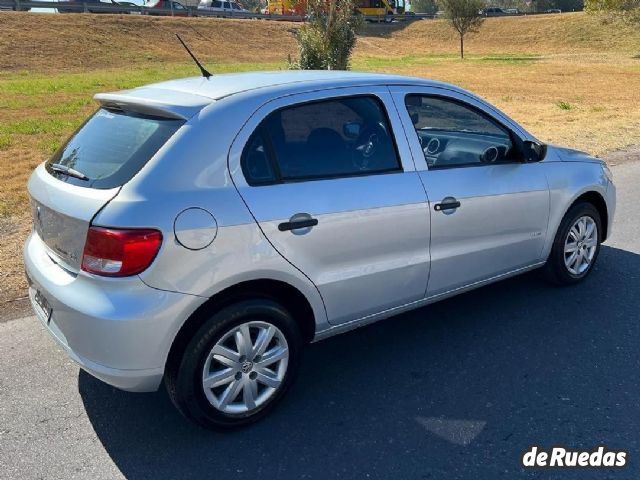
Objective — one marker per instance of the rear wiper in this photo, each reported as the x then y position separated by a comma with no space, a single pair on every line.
72,172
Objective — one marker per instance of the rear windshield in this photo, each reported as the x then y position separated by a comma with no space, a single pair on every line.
110,148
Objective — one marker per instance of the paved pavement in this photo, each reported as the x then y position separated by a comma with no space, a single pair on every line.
455,390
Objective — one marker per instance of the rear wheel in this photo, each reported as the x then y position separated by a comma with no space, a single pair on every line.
576,245
237,366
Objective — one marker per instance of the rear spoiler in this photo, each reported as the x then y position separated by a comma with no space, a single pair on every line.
157,102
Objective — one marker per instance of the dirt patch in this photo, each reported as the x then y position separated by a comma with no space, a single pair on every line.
625,155
15,309
37,42
13,283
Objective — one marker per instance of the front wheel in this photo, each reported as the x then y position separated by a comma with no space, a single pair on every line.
576,245
237,366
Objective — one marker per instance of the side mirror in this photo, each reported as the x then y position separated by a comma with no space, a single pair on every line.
351,130
534,151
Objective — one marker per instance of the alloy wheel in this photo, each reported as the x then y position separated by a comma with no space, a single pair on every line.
580,245
245,368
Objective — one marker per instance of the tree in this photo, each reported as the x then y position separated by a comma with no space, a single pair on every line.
464,16
253,5
327,40
570,5
627,10
424,6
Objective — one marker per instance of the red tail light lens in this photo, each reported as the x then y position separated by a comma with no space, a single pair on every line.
118,253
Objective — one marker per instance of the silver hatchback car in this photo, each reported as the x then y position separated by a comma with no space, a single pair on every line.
203,230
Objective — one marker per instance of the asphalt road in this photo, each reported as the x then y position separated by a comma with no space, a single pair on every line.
458,389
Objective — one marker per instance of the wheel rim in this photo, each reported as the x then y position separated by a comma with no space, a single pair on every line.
580,245
245,367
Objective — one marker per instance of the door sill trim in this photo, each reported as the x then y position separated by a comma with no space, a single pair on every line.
360,322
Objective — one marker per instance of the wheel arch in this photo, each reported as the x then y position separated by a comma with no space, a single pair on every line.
282,292
597,200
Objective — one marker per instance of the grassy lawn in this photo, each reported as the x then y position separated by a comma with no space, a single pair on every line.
567,84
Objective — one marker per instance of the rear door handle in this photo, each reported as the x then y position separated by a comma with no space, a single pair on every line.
303,222
447,204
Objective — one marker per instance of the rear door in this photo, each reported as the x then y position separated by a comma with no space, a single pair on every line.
338,197
489,208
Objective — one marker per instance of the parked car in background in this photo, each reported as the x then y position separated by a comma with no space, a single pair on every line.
13,8
512,11
177,8
494,12
325,201
554,10
92,6
221,6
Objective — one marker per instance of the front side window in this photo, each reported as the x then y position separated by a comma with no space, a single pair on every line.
453,134
326,139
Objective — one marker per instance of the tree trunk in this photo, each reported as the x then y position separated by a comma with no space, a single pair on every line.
462,46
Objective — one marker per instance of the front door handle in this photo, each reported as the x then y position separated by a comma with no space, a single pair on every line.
447,205
299,223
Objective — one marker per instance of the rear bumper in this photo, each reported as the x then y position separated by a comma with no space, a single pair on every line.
130,380
118,330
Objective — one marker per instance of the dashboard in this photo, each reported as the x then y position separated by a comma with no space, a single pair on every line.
444,148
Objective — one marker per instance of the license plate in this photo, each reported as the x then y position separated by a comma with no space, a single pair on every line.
43,305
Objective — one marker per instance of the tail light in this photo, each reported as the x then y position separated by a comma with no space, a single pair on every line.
117,252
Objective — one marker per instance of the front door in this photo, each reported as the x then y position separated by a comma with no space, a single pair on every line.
489,209
338,197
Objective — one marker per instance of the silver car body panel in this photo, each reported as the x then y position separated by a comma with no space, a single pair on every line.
368,258
369,252
118,329
62,213
155,101
489,234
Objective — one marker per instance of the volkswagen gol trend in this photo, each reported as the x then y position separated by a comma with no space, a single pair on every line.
202,231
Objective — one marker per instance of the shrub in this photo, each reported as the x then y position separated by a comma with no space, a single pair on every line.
327,40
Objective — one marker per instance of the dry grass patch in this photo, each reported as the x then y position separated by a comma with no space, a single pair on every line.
586,105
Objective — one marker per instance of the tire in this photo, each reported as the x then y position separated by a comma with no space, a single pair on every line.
184,376
556,269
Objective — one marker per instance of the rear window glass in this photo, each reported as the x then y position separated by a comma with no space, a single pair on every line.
110,148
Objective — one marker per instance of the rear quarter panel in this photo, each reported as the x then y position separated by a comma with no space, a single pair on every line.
191,171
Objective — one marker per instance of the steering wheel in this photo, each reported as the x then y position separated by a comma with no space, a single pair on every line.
367,145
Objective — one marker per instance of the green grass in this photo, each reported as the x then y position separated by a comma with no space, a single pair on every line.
519,59
5,141
565,106
35,126
71,106
26,84
406,61
376,63
57,104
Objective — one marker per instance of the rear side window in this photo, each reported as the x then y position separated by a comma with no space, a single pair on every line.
110,148
319,140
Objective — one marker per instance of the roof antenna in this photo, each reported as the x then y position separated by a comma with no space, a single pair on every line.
203,70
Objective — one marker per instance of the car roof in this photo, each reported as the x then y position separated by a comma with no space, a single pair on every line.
185,96
220,86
